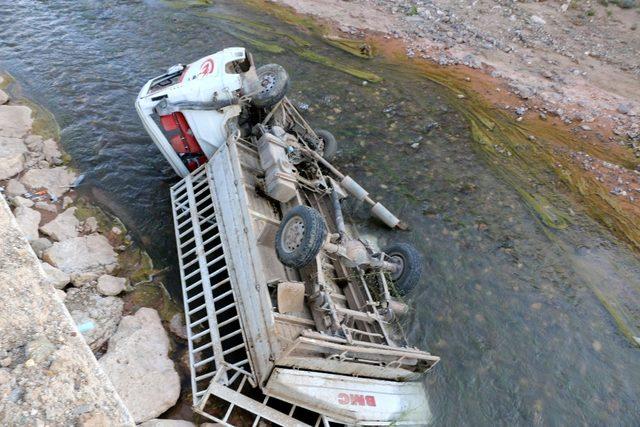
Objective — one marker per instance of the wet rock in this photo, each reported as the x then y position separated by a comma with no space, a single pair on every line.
28,221
55,180
51,152
97,317
138,366
4,98
40,245
63,227
14,188
167,423
12,156
86,254
110,285
177,327
58,279
15,121
90,225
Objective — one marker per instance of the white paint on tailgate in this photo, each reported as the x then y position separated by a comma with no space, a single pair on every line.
349,399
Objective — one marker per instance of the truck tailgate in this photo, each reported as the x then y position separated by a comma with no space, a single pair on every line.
352,400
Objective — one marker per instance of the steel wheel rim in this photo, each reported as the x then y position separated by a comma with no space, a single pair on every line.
268,82
293,234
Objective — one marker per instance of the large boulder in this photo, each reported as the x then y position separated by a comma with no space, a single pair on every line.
4,98
86,254
97,317
28,221
56,181
15,121
62,227
12,156
139,368
58,279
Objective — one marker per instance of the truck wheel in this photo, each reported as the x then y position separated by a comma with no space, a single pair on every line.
274,82
300,236
409,262
329,144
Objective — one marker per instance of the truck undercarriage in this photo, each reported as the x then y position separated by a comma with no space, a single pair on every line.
291,317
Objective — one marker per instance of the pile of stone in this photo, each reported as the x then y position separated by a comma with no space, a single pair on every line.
78,260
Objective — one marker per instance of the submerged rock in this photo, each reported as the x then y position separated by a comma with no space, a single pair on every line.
55,180
63,227
86,254
110,285
97,317
12,156
58,279
139,368
28,221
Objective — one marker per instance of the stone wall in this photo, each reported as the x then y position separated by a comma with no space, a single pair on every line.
48,373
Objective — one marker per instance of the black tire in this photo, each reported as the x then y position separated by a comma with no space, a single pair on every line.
274,82
329,146
300,236
410,262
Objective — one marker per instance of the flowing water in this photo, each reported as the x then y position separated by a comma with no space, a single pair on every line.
513,307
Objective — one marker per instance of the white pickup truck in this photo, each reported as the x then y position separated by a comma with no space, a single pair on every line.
292,319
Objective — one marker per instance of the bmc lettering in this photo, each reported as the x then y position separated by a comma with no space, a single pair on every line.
356,399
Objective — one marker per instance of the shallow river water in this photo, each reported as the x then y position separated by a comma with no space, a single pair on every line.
507,303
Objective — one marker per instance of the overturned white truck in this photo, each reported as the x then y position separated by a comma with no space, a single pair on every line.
291,318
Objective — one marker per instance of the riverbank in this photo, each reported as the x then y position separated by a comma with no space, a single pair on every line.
88,262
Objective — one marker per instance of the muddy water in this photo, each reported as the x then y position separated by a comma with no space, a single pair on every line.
513,307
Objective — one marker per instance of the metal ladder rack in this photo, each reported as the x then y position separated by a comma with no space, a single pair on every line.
214,328
219,359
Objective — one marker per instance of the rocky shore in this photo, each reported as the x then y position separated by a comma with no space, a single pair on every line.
83,259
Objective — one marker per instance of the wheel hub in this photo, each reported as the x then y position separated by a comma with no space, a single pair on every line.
267,83
293,234
399,262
